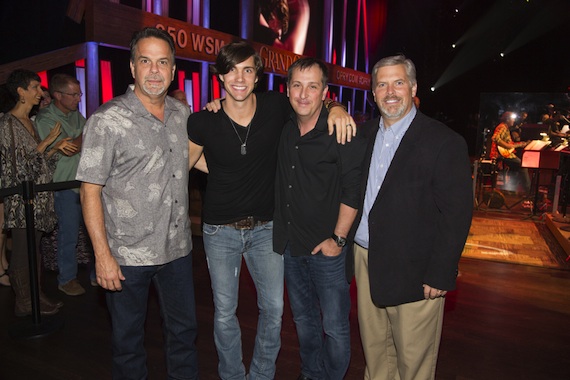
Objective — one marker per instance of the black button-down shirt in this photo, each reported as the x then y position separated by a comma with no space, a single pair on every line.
315,175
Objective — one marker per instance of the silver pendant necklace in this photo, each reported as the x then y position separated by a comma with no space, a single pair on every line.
243,147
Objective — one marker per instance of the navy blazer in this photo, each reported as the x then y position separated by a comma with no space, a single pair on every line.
421,217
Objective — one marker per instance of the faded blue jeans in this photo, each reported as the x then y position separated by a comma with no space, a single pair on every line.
225,246
320,301
174,285
69,219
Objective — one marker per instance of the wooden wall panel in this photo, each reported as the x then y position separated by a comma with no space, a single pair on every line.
47,61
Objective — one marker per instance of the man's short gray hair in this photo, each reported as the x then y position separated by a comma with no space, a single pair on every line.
394,60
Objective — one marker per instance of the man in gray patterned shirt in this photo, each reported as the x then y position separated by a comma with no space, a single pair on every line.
134,169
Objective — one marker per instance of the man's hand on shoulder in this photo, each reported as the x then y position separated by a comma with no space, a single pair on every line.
341,121
214,106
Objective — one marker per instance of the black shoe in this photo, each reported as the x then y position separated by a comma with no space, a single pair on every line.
303,377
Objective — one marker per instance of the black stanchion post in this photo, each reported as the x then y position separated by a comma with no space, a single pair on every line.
38,328
28,197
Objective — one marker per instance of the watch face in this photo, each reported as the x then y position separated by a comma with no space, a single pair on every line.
340,241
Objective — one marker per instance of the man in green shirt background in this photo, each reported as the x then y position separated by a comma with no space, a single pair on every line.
66,94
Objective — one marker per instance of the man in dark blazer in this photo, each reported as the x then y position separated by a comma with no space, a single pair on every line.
411,228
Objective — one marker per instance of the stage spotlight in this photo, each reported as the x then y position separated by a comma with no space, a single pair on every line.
432,89
502,55
453,45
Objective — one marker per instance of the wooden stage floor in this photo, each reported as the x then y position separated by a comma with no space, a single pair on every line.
505,321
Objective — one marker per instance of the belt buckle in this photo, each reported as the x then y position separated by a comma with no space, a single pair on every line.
246,224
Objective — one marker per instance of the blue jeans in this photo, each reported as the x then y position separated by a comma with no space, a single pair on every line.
175,288
224,248
69,218
320,301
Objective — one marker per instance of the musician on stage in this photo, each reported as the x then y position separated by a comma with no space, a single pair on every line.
503,149
555,133
516,129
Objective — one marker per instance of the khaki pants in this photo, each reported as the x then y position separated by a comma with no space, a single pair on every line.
400,342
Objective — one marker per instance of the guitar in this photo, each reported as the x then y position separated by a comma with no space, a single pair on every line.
506,152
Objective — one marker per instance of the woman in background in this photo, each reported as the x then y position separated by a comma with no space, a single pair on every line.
24,158
6,104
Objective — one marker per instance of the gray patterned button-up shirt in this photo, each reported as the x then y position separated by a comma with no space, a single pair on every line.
142,165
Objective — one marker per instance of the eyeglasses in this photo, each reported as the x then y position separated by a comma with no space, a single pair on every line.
74,94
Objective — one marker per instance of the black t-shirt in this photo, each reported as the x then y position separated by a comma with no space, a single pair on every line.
240,185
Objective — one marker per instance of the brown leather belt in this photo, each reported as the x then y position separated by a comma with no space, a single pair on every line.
247,224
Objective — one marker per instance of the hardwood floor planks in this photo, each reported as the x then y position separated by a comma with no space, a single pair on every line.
505,321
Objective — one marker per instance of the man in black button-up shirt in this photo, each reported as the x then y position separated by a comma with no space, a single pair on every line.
317,192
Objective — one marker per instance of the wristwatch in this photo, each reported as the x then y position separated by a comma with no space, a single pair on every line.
340,241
